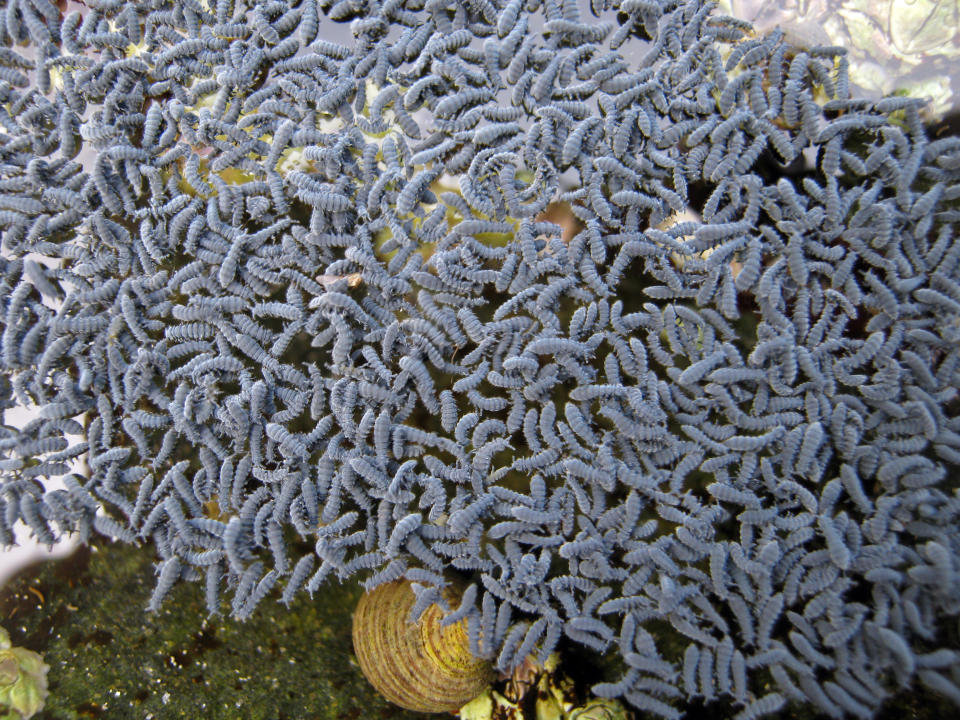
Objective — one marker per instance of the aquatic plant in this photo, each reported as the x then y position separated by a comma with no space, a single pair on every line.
23,680
298,306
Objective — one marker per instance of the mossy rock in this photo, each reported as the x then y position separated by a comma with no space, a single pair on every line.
109,658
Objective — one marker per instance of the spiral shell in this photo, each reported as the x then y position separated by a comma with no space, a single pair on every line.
419,666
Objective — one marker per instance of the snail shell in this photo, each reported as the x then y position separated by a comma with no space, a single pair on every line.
419,666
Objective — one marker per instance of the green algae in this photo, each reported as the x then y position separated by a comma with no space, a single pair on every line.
109,658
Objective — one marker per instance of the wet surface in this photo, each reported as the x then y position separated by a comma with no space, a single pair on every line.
111,659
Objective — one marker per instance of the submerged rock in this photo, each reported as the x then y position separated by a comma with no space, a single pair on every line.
109,658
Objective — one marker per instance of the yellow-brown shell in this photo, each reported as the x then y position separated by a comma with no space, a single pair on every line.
419,666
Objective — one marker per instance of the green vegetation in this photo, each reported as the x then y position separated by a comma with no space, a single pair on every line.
110,659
